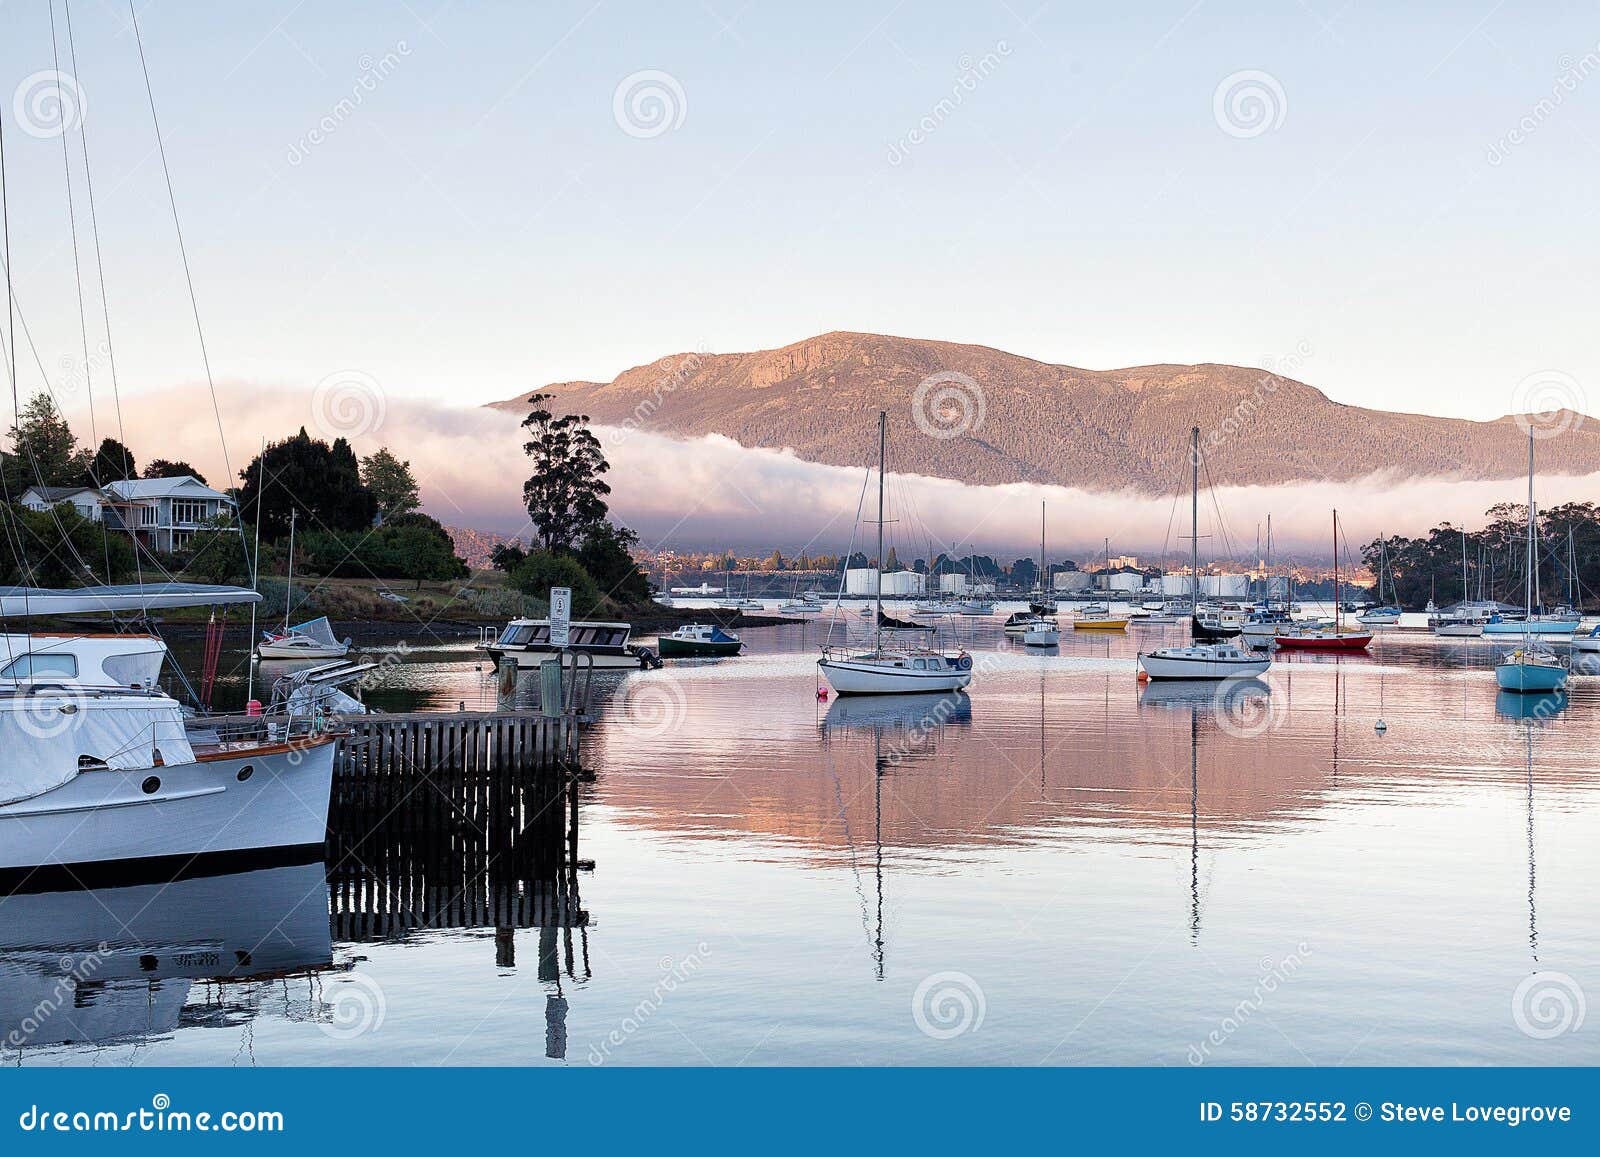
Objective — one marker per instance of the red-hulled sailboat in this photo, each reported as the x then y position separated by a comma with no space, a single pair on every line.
1334,638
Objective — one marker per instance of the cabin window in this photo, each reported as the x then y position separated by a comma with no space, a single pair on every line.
921,664
35,666
516,636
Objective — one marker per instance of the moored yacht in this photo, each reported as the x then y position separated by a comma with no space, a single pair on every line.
1203,661
1532,667
98,765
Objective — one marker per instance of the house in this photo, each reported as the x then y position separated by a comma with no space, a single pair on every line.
171,510
165,513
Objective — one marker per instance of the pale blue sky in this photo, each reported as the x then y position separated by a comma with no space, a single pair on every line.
480,223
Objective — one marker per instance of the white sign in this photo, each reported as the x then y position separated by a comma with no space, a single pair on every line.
560,615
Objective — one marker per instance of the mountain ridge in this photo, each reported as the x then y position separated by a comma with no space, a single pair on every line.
984,416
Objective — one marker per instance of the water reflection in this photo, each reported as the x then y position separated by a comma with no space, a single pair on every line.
137,963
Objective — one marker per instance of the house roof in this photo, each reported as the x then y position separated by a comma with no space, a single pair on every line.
187,486
58,493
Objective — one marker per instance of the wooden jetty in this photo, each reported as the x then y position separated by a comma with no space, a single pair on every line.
471,742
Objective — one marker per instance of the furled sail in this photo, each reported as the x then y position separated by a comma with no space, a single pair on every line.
16,602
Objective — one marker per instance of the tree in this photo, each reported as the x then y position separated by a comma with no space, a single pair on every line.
61,548
216,554
566,494
162,468
607,554
507,556
391,482
113,462
420,548
542,569
323,482
45,451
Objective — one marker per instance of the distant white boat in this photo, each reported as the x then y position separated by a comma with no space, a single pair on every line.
1045,634
1204,661
312,640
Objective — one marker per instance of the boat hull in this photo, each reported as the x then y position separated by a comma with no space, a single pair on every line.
1173,667
316,651
669,648
849,677
608,660
1042,638
1199,630
1460,631
1100,624
1323,642
1589,643
202,808
1537,627
1530,678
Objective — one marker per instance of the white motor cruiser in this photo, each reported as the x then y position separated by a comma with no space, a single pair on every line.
98,765
1204,661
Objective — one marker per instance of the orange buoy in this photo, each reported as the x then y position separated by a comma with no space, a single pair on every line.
1143,676
822,694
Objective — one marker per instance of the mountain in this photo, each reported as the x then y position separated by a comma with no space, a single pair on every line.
475,546
1020,420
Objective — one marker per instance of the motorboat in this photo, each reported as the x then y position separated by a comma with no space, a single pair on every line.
1203,661
1042,634
975,607
741,605
103,768
803,607
698,640
310,640
884,670
605,643
1217,623
1380,618
1588,641
1532,667
1021,622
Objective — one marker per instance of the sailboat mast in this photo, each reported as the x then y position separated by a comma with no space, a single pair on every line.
1528,592
1041,554
877,587
1194,520
1338,609
288,598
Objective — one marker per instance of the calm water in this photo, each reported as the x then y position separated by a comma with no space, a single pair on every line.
1065,867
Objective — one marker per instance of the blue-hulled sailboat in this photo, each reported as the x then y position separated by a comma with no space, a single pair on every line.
1532,667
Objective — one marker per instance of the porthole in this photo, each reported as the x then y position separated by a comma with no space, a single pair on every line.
245,772
151,785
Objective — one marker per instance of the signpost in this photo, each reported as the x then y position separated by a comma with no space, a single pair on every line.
560,616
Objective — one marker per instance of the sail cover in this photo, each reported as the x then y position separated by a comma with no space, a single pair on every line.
318,629
16,602
893,624
47,735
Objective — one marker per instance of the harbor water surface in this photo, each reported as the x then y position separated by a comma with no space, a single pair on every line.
1064,867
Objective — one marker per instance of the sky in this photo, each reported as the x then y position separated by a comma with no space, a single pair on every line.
454,203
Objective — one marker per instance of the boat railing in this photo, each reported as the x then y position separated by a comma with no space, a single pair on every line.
227,731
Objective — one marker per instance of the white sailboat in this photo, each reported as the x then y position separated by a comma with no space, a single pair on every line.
1043,633
885,670
312,640
1532,667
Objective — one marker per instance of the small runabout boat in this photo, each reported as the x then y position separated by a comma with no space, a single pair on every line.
99,766
1203,661
1044,634
1098,617
606,644
698,640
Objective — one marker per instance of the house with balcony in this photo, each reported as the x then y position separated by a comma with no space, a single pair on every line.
164,513
169,511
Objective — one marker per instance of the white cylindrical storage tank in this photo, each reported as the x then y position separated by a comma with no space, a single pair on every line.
861,580
1175,585
953,584
1127,581
1071,580
903,582
1225,586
